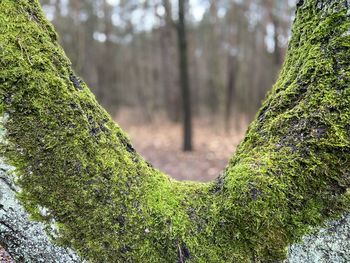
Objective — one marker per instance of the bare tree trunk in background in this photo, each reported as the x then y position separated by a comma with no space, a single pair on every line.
170,78
216,92
76,6
274,20
184,79
141,73
230,90
57,10
106,65
194,80
278,54
232,64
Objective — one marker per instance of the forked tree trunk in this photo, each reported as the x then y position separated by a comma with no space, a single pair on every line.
77,173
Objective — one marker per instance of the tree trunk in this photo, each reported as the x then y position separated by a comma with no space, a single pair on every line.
274,20
184,79
230,89
169,71
77,173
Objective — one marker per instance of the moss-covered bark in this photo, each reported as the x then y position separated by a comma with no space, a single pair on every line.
78,171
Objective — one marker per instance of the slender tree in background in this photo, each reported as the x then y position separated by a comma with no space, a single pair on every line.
230,89
232,65
184,78
169,70
106,67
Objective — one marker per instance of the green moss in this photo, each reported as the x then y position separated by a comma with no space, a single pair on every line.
289,174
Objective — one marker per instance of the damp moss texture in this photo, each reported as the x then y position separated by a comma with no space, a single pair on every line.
80,175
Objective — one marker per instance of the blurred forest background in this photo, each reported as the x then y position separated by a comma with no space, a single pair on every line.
128,53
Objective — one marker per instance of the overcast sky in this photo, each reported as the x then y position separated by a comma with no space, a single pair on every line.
197,7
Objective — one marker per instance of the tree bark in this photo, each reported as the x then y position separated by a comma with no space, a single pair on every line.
230,89
184,79
169,70
78,175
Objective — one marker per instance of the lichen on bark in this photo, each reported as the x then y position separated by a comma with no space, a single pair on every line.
327,245
25,240
77,169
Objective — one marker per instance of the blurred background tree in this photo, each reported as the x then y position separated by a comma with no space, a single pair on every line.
127,51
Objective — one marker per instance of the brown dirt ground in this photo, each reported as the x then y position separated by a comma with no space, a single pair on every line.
160,143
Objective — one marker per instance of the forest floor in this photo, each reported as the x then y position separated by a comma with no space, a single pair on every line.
160,142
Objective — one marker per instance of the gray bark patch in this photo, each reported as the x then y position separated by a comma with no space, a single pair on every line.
328,245
25,240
